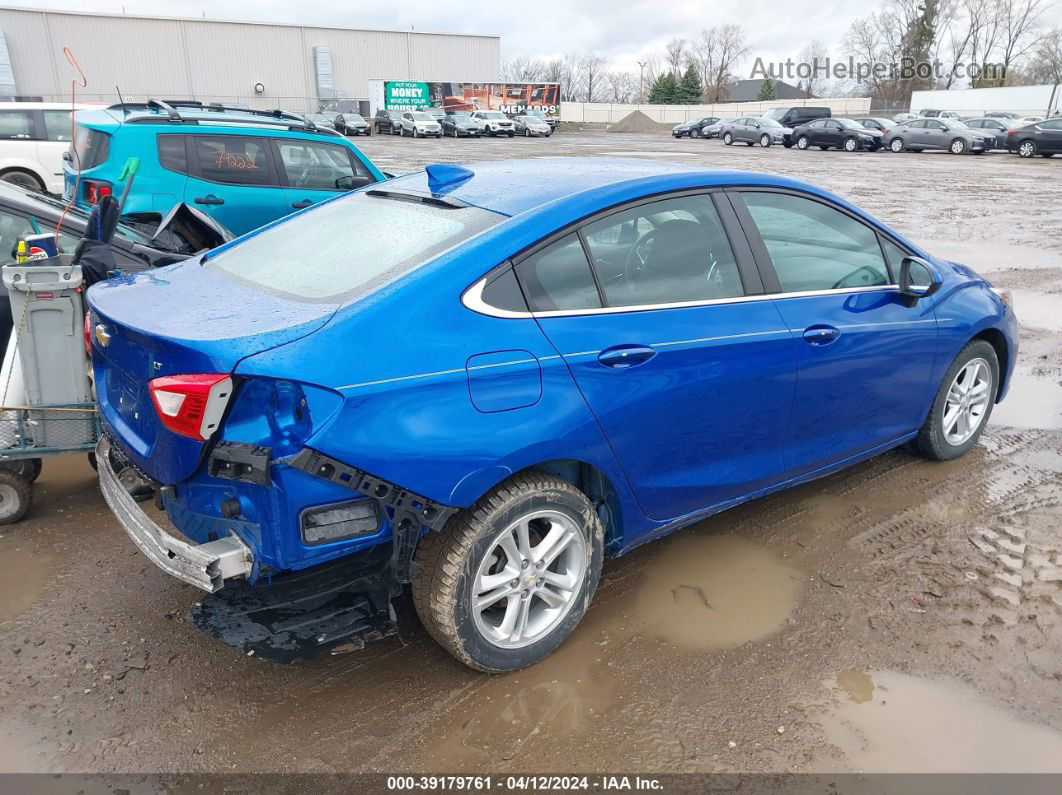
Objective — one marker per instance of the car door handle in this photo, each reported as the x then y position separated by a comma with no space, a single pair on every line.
301,205
209,199
821,334
623,356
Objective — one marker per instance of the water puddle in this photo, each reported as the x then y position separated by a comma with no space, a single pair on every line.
559,697
25,575
715,591
1031,402
1038,310
892,722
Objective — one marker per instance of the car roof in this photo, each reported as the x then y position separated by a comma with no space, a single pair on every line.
111,118
512,187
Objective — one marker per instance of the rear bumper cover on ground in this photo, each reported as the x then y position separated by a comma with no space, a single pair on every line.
205,566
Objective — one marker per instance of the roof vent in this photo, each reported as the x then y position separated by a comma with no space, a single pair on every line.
444,175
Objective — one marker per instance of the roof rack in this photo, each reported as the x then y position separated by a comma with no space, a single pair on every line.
170,108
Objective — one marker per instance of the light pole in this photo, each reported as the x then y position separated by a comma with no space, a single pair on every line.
641,71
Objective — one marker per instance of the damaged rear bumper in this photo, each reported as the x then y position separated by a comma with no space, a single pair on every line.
205,566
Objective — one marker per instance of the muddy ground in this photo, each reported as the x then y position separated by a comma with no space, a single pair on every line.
902,615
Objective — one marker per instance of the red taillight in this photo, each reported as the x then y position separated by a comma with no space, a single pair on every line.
95,190
191,405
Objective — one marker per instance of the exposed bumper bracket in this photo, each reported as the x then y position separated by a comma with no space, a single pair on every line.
409,512
206,566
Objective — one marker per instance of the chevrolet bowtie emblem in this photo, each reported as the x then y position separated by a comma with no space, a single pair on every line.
102,336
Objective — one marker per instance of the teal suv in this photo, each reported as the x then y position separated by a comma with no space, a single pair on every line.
243,167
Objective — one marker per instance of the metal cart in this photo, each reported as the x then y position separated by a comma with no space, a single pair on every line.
45,383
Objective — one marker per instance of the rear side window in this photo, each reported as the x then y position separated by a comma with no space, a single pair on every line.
57,125
90,148
318,166
172,154
348,247
233,159
16,125
814,246
559,277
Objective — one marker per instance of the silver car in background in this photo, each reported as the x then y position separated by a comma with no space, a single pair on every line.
531,125
715,129
756,130
949,135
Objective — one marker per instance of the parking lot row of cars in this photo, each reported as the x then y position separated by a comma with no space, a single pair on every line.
804,128
432,122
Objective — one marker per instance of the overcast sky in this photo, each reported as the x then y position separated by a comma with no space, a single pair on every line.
621,30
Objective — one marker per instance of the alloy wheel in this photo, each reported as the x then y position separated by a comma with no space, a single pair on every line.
896,145
1027,149
850,145
967,401
958,146
529,579
802,142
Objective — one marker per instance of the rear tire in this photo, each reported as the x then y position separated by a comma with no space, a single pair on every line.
933,439
1027,149
16,497
480,549
728,139
23,179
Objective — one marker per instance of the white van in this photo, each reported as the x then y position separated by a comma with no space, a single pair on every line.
33,137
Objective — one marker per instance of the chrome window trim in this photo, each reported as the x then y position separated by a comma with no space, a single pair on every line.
472,299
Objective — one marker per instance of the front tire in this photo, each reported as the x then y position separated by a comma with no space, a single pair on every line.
803,142
896,145
507,581
16,497
962,405
851,144
23,179
958,146
765,140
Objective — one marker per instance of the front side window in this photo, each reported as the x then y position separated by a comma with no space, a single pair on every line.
233,159
16,125
664,252
348,247
814,246
317,166
558,277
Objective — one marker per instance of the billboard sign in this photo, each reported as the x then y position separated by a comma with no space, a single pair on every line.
511,98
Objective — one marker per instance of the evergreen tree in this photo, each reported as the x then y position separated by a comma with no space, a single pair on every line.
690,87
766,90
665,90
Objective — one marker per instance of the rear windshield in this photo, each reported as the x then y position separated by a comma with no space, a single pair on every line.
89,149
348,247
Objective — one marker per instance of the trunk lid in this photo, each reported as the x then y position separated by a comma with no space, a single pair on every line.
178,320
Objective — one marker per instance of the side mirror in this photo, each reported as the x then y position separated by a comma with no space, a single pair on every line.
346,182
68,157
918,279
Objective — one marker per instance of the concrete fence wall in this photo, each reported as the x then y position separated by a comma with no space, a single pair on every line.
610,113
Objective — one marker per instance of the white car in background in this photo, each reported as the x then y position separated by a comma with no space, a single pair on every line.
494,122
420,125
33,138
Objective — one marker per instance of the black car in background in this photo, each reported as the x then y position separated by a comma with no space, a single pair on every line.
387,121
352,124
794,117
840,133
992,126
876,123
1043,138
459,124
694,128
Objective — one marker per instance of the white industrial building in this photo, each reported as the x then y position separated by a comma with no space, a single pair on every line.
262,65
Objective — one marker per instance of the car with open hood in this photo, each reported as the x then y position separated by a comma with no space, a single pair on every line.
466,387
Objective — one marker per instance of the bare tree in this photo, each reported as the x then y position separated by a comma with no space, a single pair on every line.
590,77
620,86
731,48
523,70
814,54
1046,66
675,56
1019,23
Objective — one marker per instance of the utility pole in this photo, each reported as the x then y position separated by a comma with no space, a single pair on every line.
641,71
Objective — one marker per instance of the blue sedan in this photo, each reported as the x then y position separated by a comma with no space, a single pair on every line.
472,384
